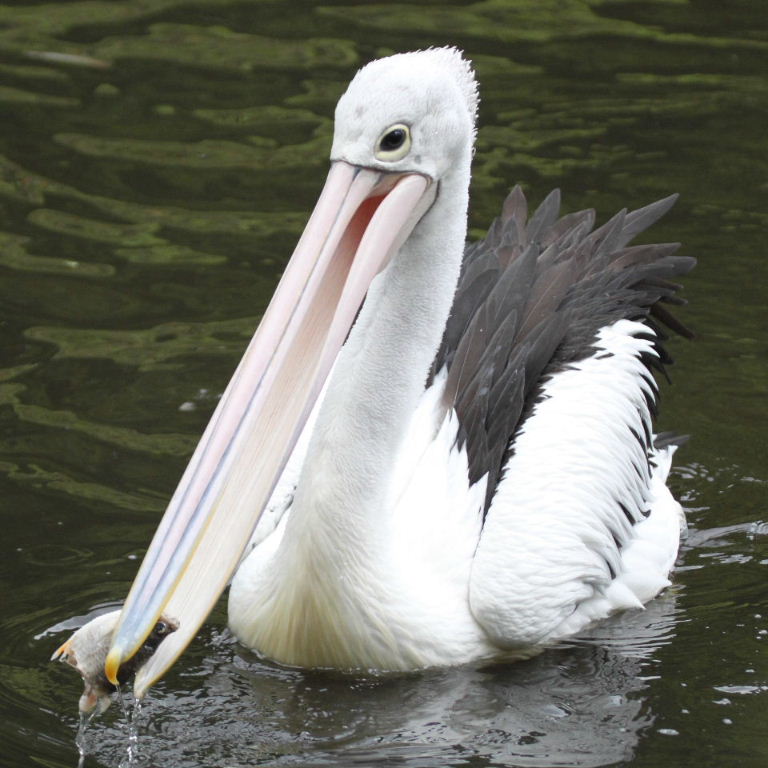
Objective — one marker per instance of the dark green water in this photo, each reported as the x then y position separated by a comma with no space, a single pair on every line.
150,193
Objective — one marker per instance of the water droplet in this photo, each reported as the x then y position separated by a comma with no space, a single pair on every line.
132,721
81,742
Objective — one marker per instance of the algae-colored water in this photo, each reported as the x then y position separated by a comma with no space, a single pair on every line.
157,161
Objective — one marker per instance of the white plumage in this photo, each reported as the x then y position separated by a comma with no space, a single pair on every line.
445,588
541,571
404,527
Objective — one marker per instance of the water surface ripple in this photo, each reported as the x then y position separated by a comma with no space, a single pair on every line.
158,159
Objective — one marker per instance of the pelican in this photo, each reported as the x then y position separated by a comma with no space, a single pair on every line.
430,454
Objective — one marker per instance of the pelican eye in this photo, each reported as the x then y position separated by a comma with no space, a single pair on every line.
394,144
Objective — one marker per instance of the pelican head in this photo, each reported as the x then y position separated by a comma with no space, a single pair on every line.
404,127
409,113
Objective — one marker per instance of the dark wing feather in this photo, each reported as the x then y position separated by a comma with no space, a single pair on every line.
531,299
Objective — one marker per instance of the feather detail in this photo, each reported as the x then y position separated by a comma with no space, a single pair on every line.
531,300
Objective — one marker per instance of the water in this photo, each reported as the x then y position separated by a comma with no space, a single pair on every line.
153,180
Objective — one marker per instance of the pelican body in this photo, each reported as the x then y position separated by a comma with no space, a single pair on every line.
430,454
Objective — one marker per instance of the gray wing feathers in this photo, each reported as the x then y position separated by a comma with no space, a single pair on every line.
530,300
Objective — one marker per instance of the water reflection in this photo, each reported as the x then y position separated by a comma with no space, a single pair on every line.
157,160
581,705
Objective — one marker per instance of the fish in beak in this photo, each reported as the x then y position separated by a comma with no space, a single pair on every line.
86,650
362,218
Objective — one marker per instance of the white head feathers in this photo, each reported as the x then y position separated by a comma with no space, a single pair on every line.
448,60
433,92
